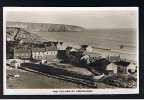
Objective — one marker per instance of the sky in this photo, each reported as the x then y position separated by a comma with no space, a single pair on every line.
87,18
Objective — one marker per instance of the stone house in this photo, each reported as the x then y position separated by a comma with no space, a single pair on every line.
35,52
122,67
22,53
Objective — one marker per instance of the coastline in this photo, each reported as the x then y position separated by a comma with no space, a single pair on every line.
130,56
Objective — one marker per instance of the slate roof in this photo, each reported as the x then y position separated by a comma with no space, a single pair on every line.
51,48
22,50
38,49
122,63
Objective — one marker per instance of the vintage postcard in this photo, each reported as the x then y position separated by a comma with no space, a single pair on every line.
70,50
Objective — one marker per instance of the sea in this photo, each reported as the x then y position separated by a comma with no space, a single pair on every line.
100,40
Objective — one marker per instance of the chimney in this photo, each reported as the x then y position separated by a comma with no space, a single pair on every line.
68,48
55,43
61,43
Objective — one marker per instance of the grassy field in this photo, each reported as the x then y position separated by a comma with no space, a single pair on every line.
30,80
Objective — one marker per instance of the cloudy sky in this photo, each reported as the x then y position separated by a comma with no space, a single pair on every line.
88,18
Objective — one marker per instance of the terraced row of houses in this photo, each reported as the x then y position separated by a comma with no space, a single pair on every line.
41,51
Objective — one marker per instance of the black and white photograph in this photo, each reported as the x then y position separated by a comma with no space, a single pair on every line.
70,50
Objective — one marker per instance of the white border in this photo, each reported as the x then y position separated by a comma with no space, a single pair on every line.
69,8
62,91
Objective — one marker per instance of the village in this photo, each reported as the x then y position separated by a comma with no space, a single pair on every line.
80,65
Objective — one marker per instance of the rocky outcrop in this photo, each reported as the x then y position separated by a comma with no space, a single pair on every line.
20,35
45,27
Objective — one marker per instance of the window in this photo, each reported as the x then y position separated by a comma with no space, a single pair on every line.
26,55
37,53
22,54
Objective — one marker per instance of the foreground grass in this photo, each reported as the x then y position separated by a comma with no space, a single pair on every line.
29,80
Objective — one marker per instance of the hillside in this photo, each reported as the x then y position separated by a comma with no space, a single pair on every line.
45,27
21,35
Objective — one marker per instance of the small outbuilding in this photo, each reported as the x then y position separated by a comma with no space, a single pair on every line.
89,49
15,63
111,68
131,68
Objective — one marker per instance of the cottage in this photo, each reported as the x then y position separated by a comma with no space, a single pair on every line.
126,67
52,51
15,63
122,66
89,49
38,53
23,53
131,68
111,68
45,52
73,50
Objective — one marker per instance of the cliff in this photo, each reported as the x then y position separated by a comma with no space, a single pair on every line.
45,27
20,35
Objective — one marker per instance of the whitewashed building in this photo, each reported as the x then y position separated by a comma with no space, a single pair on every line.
128,68
38,53
112,67
132,68
52,51
43,53
89,49
14,63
